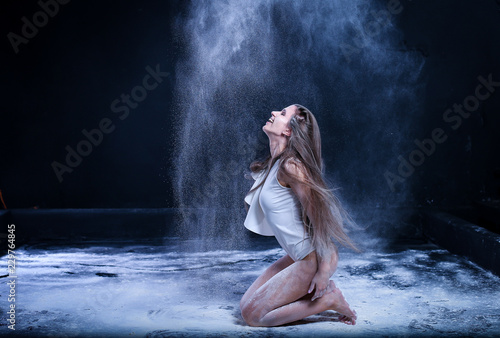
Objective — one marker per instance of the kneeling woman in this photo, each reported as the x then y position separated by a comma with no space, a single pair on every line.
291,201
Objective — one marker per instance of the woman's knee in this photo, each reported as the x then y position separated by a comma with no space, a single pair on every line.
249,314
242,303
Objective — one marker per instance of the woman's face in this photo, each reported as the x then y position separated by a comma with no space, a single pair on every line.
278,123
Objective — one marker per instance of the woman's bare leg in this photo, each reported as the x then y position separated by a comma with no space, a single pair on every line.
272,270
303,308
278,301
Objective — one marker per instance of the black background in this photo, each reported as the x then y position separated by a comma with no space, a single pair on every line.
65,78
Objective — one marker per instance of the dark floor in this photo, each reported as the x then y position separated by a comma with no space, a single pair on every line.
171,290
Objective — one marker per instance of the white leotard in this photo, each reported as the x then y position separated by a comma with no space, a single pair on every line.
275,211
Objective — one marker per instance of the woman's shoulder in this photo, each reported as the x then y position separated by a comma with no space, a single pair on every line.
293,163
295,166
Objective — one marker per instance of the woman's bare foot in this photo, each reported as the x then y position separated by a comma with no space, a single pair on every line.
339,304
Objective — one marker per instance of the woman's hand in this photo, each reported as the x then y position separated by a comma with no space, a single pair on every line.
320,282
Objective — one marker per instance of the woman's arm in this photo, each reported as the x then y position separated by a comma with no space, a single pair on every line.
321,280
326,266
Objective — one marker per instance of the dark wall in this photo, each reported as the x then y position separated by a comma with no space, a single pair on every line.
64,80
461,41
68,74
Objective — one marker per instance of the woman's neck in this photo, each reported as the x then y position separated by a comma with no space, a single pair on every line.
276,146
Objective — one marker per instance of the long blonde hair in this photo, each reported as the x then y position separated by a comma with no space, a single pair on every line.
304,147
